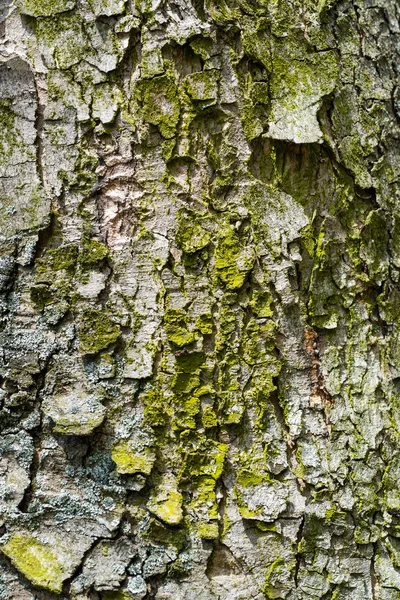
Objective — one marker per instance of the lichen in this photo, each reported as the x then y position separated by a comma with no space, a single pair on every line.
200,390
128,460
175,323
166,502
37,561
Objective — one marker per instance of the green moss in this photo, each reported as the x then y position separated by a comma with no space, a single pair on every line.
187,408
297,74
83,176
395,240
167,506
209,417
332,513
160,104
7,118
41,295
62,258
223,11
208,460
10,137
208,531
191,235
260,303
92,253
128,461
119,595
159,533
204,323
308,240
201,470
189,362
232,261
202,46
176,328
252,125
186,380
44,8
96,331
64,36
366,533
155,407
353,156
374,244
185,383
248,478
276,568
204,500
37,561
202,85
78,424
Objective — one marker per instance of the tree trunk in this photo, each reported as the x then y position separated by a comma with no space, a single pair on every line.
200,302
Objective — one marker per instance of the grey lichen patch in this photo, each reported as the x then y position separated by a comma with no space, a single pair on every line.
261,501
70,400
106,102
108,7
74,413
106,565
16,454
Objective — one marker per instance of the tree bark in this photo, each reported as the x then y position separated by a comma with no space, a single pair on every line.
200,322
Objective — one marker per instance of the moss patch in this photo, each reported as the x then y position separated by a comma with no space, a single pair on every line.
176,328
167,504
119,595
128,461
36,561
44,8
232,261
191,235
160,104
92,253
96,331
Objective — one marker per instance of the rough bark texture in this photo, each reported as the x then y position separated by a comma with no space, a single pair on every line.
200,309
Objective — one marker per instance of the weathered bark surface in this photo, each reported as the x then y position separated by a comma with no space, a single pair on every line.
200,303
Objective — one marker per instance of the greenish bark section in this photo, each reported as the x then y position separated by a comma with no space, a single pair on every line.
199,312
